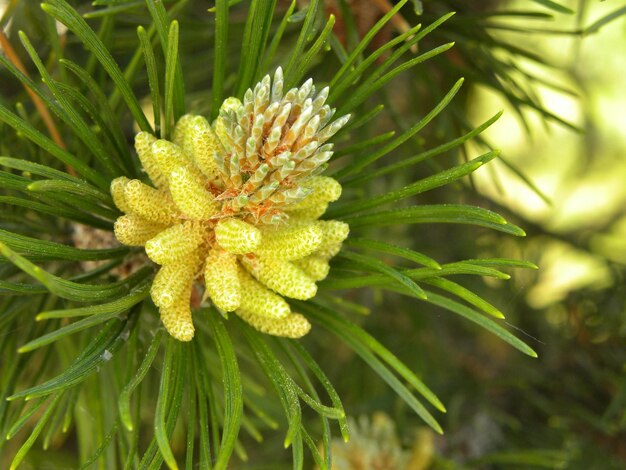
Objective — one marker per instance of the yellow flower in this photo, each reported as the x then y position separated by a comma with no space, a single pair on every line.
234,208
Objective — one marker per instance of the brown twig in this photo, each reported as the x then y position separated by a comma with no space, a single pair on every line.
39,104
41,107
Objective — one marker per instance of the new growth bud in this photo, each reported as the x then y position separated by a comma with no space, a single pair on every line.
234,206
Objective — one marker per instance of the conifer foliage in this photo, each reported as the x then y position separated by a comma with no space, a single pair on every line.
172,174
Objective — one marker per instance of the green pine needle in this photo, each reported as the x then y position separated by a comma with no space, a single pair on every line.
86,355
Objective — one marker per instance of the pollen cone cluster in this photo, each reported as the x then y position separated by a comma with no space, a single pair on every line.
234,208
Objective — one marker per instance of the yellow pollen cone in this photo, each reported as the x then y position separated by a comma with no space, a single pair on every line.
132,230
168,156
172,280
308,213
177,318
292,326
281,276
149,203
195,136
143,146
235,205
117,192
289,243
222,280
323,190
237,236
315,266
190,195
175,243
333,231
257,299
